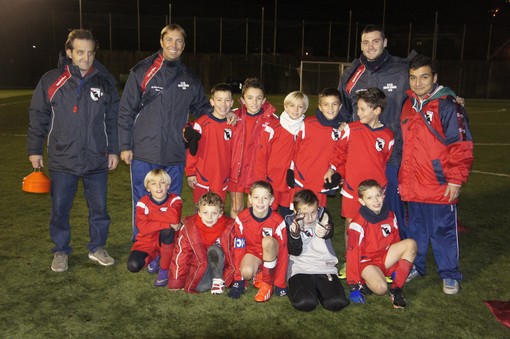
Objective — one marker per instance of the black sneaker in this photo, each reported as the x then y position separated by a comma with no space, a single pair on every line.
397,297
363,289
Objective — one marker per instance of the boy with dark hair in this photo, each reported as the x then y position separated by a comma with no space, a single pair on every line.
375,249
312,273
158,216
208,170
260,244
314,145
362,152
436,160
203,257
254,115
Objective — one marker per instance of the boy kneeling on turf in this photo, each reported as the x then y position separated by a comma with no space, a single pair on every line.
375,250
312,272
203,257
260,243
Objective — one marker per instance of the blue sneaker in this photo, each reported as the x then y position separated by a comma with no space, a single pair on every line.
153,266
412,274
450,286
162,279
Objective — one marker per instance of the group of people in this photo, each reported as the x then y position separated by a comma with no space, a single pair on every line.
390,134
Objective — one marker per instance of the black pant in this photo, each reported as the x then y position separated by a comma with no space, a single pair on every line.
307,290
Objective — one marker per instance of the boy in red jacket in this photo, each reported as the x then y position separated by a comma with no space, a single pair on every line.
254,115
158,216
208,170
276,149
260,243
203,257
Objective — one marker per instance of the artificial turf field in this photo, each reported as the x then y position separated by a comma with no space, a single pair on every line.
90,301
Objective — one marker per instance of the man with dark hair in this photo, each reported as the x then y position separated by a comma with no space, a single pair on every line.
75,107
437,157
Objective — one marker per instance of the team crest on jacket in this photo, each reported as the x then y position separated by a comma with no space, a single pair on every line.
267,232
386,230
95,93
429,116
379,144
227,134
335,134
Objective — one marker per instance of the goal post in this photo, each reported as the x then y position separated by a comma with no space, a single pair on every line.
314,76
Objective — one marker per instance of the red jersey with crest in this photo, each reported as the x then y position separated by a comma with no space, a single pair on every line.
368,242
211,164
361,154
315,145
274,155
249,231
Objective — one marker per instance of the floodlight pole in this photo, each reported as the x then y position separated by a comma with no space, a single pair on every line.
274,33
138,21
262,45
81,17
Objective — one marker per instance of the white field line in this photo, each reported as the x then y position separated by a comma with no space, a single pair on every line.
14,103
488,111
490,144
491,173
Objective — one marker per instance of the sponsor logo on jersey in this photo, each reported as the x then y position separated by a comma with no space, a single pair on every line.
386,230
163,209
157,88
267,232
227,134
95,93
379,144
239,243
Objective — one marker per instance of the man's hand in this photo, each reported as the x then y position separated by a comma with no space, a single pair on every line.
127,156
192,181
453,191
113,161
36,160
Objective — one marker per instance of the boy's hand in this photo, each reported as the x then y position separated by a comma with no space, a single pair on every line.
192,181
232,118
323,226
294,228
176,227
290,178
237,289
332,181
281,292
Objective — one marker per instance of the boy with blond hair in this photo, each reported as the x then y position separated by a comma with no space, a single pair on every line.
276,150
208,170
203,256
158,216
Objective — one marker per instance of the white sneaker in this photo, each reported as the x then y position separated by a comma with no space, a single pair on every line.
218,286
450,286
59,263
101,256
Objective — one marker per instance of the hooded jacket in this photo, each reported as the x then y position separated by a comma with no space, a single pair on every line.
431,160
78,117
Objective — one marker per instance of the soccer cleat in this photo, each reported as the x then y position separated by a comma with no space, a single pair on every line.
413,274
59,263
153,266
342,273
450,286
397,298
264,293
162,279
101,256
257,280
218,286
389,279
